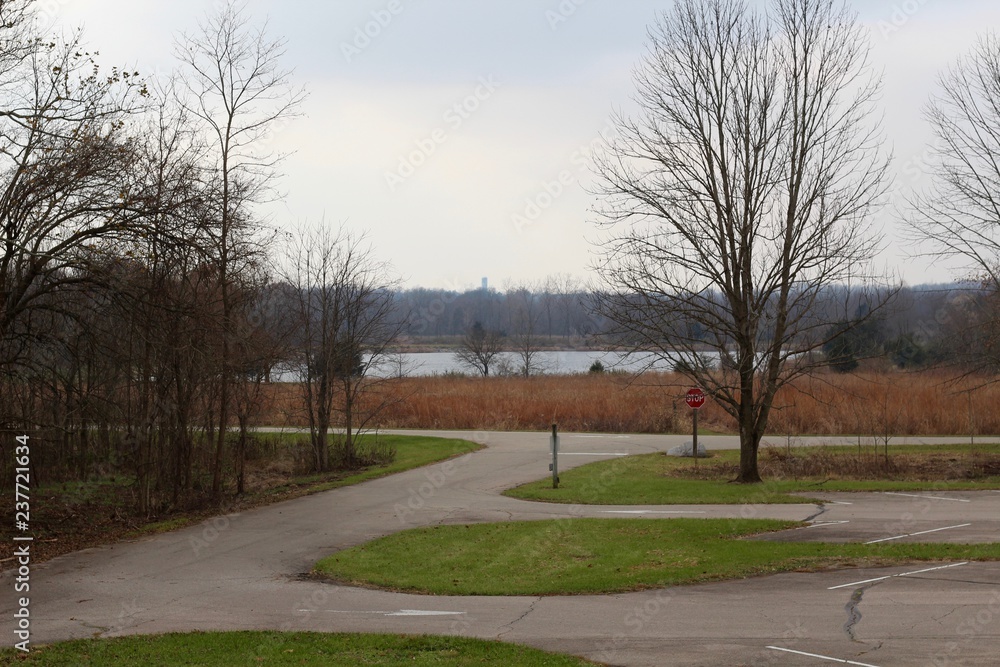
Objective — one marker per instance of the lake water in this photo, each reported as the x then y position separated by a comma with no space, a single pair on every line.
553,362
560,362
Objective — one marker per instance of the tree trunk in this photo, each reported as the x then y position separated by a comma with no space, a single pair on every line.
749,444
223,411
323,427
241,457
750,431
348,425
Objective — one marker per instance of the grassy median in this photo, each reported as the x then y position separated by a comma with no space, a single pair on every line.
658,479
602,556
298,649
411,451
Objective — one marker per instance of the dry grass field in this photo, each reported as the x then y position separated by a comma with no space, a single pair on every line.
873,404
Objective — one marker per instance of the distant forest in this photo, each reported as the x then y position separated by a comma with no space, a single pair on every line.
562,310
921,325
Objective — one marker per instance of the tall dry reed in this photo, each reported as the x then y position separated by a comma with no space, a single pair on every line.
871,404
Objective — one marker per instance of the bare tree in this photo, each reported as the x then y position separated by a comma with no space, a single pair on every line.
347,323
479,348
740,194
156,325
69,179
238,89
959,216
259,347
525,316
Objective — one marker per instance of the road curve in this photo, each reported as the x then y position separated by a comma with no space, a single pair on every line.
245,572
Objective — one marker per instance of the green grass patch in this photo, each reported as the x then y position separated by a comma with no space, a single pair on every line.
109,504
602,556
223,649
658,479
646,479
412,451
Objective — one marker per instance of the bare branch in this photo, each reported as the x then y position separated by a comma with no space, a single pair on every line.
741,193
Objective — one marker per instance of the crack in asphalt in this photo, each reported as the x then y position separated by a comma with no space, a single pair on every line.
992,584
510,626
872,649
854,615
821,509
941,618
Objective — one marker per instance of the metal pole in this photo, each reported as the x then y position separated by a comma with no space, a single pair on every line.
555,458
695,437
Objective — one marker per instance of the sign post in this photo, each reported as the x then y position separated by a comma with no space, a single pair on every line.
554,446
695,398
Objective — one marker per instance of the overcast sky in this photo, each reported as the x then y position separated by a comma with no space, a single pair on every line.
456,131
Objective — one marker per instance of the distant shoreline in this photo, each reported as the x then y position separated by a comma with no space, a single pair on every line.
445,344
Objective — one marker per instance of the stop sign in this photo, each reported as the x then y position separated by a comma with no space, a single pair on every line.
695,398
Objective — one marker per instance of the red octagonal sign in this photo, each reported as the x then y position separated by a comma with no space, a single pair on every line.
695,398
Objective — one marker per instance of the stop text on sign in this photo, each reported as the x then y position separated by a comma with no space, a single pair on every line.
695,398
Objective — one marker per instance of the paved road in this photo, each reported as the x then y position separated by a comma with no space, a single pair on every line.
245,572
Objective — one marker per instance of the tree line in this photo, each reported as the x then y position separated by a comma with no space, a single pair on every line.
919,327
142,304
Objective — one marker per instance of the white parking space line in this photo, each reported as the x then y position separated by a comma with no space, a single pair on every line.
922,532
822,657
400,612
592,454
651,512
422,612
837,502
913,495
902,574
821,524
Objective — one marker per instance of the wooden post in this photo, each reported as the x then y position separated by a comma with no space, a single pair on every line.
555,457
